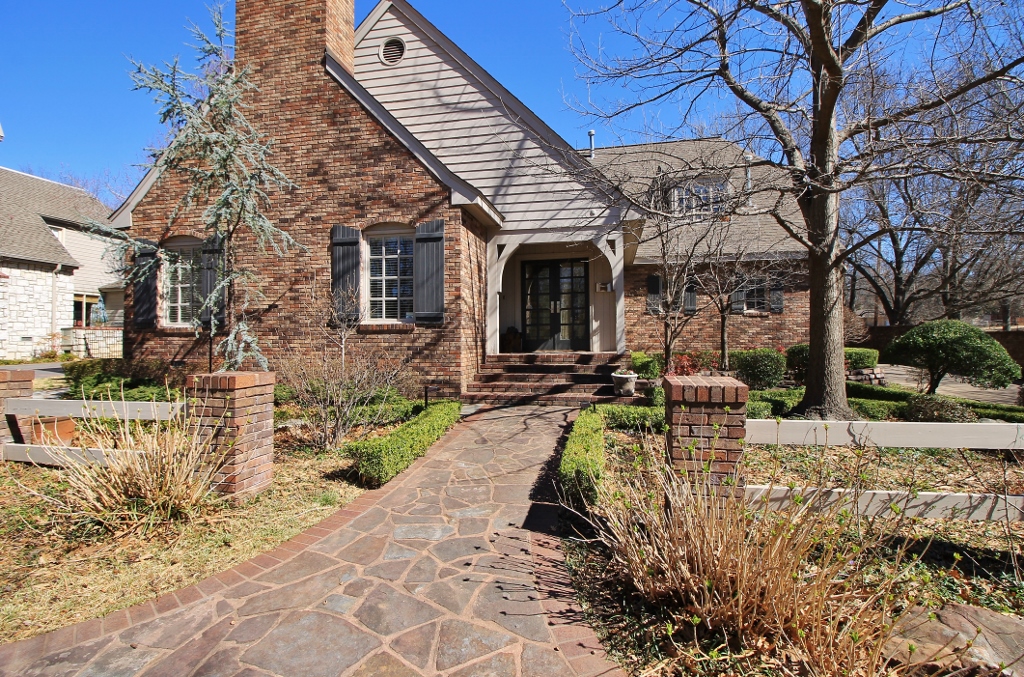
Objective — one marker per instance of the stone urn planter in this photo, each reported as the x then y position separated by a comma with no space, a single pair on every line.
625,384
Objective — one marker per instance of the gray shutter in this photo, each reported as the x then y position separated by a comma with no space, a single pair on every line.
690,299
428,272
739,300
654,294
345,271
776,300
210,275
144,293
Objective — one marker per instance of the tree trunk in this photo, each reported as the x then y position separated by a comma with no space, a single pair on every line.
723,338
825,395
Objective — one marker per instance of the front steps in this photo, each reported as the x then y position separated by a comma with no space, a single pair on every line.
557,379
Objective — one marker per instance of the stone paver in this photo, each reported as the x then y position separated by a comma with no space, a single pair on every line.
451,569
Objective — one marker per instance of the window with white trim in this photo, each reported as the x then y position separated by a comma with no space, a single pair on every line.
390,275
756,295
181,283
701,198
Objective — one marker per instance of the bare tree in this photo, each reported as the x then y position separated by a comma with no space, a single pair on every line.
836,94
951,244
337,387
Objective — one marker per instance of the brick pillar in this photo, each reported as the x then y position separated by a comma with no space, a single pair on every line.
241,404
707,419
13,384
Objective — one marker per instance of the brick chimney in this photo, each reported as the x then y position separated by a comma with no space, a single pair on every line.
281,38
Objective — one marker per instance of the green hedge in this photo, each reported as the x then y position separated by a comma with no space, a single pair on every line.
861,358
878,410
759,410
380,459
632,418
647,366
583,463
798,357
867,391
780,401
760,369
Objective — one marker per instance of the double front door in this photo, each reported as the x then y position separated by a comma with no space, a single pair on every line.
556,305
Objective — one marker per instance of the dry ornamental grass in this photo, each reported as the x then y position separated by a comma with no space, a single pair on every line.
54,571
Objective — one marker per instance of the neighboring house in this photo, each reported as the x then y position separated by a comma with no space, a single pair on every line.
54,273
687,179
429,190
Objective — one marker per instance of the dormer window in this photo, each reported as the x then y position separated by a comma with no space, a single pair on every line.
701,198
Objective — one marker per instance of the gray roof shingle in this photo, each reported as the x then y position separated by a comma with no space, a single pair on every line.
25,201
747,232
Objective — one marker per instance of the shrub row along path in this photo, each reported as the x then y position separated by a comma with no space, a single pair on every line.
452,569
896,373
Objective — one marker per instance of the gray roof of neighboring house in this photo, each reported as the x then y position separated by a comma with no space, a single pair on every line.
634,168
27,202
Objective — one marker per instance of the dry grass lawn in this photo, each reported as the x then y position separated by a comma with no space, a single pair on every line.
945,470
54,573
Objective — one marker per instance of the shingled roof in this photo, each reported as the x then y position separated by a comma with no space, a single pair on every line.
634,168
26,204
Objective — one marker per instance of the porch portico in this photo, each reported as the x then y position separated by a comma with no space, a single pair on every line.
584,304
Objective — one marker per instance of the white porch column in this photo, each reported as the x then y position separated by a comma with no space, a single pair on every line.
493,288
495,272
612,248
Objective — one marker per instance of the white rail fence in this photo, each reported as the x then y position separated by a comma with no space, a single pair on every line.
927,505
39,454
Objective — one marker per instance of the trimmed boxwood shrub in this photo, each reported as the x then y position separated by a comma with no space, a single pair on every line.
781,401
938,409
878,410
798,357
632,418
760,369
861,358
647,366
759,410
952,347
380,459
867,391
583,462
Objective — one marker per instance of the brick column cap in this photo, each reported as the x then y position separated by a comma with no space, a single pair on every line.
231,380
705,389
13,376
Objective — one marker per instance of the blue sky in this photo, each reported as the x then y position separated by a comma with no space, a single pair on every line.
66,103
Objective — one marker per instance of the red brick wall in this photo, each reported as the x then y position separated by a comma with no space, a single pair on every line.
644,331
474,298
348,170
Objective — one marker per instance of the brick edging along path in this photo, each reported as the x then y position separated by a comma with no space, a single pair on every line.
453,568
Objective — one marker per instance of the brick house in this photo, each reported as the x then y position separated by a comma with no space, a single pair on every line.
464,223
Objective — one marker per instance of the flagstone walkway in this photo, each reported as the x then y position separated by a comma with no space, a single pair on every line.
451,569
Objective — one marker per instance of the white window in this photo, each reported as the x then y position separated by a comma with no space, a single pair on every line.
390,288
58,233
182,296
756,295
701,198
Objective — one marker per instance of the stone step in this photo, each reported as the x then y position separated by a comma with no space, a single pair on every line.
514,368
555,358
540,388
546,378
558,399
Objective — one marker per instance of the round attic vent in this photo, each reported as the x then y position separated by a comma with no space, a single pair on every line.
392,51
